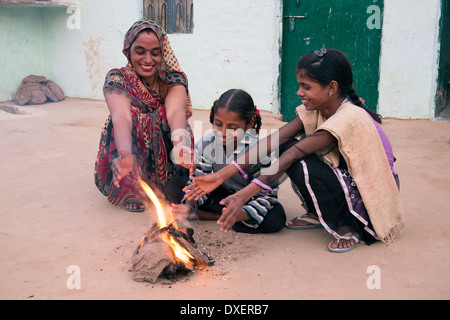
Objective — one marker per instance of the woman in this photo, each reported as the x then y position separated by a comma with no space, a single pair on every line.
147,99
342,167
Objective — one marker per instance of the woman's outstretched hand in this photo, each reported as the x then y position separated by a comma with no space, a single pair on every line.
202,185
121,166
184,156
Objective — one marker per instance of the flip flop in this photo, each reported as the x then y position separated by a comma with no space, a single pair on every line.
337,250
140,207
315,224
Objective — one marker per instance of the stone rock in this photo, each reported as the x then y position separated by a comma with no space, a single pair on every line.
56,90
34,79
149,263
37,90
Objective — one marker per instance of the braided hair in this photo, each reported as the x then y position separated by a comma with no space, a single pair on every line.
326,65
239,101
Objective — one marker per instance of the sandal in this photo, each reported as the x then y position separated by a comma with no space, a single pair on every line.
139,206
314,224
341,250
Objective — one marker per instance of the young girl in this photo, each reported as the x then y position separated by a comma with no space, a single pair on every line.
343,166
236,122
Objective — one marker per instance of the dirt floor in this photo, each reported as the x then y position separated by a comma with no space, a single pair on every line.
53,218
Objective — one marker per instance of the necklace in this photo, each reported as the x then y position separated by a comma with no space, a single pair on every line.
155,83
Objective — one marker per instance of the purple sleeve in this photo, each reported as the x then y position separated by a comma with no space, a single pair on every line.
386,144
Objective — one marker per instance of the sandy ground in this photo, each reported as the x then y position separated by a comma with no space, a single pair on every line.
53,217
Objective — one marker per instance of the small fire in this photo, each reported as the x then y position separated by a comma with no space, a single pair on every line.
180,252
163,221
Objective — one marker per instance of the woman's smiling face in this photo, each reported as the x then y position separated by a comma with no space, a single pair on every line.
146,55
314,96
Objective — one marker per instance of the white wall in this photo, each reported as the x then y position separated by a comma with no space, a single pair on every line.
37,40
409,58
21,47
78,59
235,44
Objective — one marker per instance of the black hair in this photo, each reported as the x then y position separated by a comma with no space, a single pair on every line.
239,101
327,65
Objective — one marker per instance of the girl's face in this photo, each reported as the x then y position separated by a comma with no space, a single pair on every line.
314,96
146,56
229,127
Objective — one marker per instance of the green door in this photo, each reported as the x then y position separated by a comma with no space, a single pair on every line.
352,26
443,85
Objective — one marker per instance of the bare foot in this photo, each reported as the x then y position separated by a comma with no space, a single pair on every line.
342,245
134,206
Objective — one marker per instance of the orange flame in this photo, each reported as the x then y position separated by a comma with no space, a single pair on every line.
162,222
180,252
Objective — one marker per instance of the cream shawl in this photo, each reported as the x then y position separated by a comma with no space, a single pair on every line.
362,149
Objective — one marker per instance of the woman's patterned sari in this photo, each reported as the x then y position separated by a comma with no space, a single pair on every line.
151,143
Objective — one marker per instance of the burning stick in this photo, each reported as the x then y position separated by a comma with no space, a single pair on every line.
165,248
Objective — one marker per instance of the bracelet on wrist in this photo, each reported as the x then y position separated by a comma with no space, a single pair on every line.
267,190
243,174
193,209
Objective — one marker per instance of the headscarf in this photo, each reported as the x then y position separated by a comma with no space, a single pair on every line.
170,70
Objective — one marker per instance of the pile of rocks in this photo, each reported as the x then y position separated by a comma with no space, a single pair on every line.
38,90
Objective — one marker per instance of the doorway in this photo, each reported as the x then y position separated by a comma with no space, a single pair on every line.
443,85
352,26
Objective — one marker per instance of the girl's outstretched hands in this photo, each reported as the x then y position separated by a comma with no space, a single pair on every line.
232,212
202,185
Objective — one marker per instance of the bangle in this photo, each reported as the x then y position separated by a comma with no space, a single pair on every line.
264,186
193,209
244,175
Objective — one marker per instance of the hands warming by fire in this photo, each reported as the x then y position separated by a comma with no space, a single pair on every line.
126,162
121,166
202,185
232,212
184,156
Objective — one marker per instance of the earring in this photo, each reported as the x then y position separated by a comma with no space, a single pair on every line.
330,93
